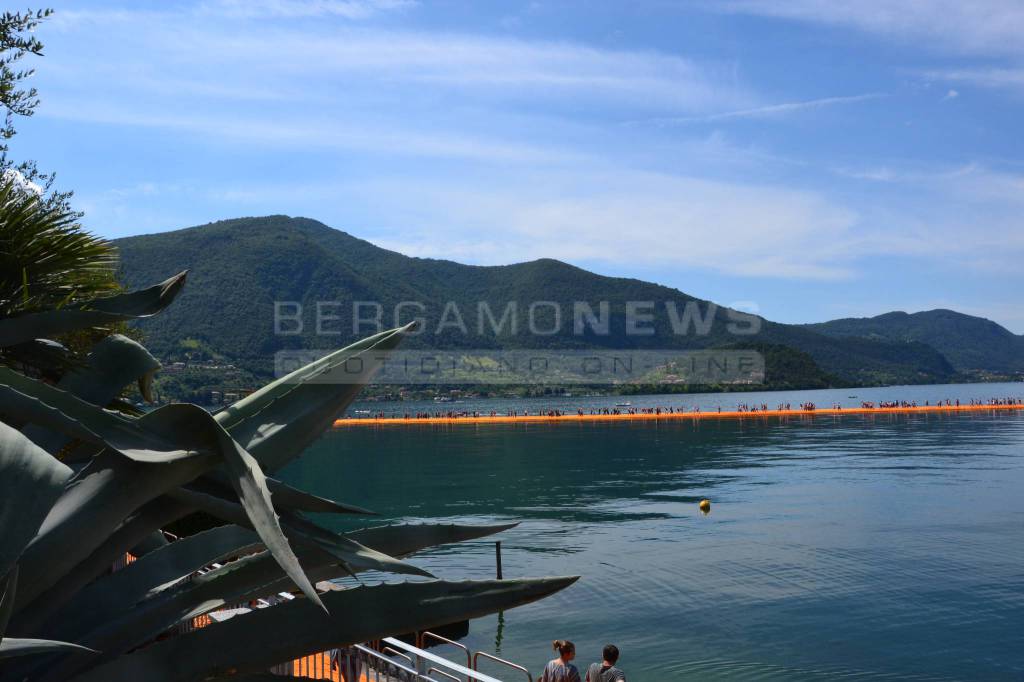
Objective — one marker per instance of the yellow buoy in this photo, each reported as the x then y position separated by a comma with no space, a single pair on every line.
705,505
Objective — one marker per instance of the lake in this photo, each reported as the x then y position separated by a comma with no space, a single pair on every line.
863,547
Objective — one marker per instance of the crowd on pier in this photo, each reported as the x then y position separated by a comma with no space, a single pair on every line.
804,407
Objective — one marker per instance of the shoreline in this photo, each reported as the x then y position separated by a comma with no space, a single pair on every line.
669,415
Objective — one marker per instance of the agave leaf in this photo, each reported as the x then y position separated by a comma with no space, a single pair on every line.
97,500
260,578
12,647
147,439
120,591
46,355
342,548
283,495
312,406
113,490
31,481
279,421
155,514
354,556
403,540
253,642
7,587
150,543
145,620
143,303
113,363
293,499
251,486
239,581
110,488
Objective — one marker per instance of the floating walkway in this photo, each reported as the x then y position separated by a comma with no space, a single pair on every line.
667,415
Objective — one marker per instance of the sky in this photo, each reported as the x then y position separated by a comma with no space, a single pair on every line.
806,159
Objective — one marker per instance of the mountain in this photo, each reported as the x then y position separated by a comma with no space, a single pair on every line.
239,268
972,345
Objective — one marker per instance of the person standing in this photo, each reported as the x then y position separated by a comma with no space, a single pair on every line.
561,669
605,671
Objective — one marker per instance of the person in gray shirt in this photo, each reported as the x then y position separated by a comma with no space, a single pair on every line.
605,671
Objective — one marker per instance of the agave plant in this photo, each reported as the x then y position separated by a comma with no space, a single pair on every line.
82,484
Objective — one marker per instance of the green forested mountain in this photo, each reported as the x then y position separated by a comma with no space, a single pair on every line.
239,268
971,344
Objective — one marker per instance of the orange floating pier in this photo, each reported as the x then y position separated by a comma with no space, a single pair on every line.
669,415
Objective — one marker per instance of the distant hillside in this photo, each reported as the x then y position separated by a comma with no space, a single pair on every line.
971,344
239,268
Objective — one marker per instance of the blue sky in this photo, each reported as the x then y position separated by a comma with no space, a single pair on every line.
810,159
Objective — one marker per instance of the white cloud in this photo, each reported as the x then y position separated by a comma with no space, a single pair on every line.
290,9
319,134
15,177
773,110
629,218
218,59
997,78
334,86
951,94
987,27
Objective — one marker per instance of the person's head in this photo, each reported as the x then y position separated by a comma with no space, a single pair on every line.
610,653
565,649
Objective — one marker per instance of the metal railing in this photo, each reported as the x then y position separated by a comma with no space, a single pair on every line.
375,666
426,636
447,676
425,662
501,661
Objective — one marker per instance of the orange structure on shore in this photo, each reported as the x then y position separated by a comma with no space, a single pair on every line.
672,415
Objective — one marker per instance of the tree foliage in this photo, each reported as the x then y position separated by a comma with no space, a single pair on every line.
17,41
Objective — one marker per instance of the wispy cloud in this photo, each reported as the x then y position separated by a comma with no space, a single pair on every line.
268,133
971,182
771,110
628,218
270,55
330,85
987,27
290,9
998,78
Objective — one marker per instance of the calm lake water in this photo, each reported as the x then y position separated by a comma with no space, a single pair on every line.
858,547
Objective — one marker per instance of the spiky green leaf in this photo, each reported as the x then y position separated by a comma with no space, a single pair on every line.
284,496
279,421
31,481
12,647
110,487
8,584
143,303
240,581
303,532
113,363
155,514
120,591
253,642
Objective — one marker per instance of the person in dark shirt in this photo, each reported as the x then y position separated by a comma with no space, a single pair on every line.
605,671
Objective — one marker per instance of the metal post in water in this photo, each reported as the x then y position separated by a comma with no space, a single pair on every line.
497,557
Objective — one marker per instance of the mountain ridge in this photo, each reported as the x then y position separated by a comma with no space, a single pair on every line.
240,267
972,344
